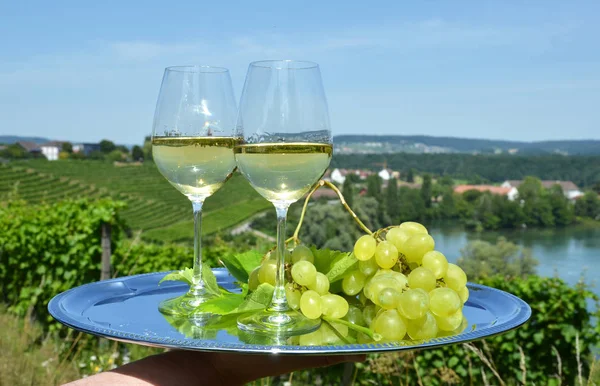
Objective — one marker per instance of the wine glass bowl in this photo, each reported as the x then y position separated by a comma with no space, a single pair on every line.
286,149
193,138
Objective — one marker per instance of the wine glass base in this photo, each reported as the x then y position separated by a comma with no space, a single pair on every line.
185,306
278,322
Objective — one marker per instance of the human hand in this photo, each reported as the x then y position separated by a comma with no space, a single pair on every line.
202,368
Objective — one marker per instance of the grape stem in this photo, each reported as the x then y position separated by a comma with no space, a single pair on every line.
331,186
367,331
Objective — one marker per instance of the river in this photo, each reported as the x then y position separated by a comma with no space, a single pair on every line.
567,252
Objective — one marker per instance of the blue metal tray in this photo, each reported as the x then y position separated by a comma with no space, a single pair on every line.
126,309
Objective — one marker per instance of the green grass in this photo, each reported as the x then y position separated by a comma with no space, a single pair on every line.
152,203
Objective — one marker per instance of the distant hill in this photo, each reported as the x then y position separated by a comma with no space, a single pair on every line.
10,139
375,144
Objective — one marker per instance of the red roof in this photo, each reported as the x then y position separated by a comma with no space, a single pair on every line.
483,188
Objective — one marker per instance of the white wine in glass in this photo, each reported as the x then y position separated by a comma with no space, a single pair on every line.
287,148
192,146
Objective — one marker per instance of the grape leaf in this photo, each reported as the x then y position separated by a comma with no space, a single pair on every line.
231,303
242,264
341,266
259,299
223,304
184,275
325,257
210,281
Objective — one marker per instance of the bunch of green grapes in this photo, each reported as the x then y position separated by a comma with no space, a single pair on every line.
400,289
409,290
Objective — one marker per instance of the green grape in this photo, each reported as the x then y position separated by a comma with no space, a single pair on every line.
253,281
390,325
444,302
386,254
362,338
304,273
368,267
364,248
267,272
436,262
422,328
362,298
293,296
353,283
314,338
369,313
416,246
310,304
397,237
449,323
274,256
463,325
302,252
413,303
378,284
413,228
330,336
334,306
421,278
389,298
464,294
397,276
355,316
455,277
320,285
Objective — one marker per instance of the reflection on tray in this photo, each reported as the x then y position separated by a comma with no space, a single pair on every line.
329,334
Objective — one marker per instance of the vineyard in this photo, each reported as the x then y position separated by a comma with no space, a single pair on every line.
152,203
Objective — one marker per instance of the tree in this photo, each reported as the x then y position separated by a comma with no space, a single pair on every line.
447,207
530,189
348,191
561,210
107,146
137,153
480,259
412,207
115,156
392,205
410,176
446,180
588,206
426,190
67,147
596,187
374,187
147,148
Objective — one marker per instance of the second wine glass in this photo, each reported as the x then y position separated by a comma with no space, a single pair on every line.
287,147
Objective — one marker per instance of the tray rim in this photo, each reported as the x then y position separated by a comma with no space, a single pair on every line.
54,308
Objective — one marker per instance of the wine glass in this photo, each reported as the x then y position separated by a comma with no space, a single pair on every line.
192,146
287,147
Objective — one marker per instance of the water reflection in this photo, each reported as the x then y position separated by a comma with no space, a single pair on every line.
567,252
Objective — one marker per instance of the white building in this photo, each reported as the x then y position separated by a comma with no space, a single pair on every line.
570,190
50,150
337,176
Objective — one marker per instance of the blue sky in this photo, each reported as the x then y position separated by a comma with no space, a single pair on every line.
520,70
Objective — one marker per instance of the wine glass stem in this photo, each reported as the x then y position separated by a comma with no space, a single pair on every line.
279,302
197,286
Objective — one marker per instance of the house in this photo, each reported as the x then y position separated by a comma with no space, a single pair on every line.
85,148
51,149
570,190
385,174
510,192
338,176
30,147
